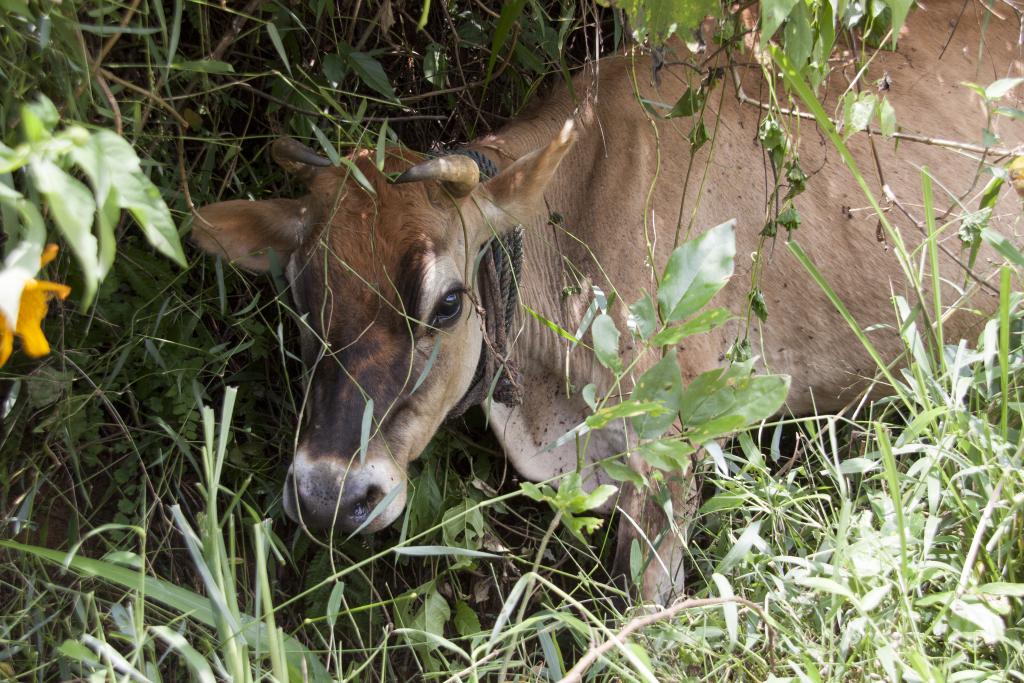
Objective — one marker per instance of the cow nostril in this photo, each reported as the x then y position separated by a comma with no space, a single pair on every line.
362,507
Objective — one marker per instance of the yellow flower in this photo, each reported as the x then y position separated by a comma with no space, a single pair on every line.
1016,168
34,300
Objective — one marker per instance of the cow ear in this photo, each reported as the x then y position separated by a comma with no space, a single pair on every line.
517,191
243,231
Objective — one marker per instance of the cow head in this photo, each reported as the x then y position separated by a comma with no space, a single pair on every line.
386,285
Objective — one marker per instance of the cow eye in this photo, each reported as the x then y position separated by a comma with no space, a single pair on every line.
448,309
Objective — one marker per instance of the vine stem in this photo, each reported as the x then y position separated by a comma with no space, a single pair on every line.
910,137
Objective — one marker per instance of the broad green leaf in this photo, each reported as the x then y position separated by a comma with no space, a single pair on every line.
798,37
606,342
466,622
1014,590
372,74
706,321
38,119
643,318
73,209
598,496
334,603
142,199
625,409
900,9
661,384
435,65
729,399
620,471
696,271
670,455
858,109
660,19
989,624
1002,87
773,13
691,102
334,68
826,585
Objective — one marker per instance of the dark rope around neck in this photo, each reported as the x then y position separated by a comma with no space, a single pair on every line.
499,268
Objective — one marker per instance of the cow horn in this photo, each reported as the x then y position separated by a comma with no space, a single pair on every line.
458,173
295,157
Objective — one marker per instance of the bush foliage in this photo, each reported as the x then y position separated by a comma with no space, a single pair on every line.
142,460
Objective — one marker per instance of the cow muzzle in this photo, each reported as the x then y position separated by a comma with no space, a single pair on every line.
329,493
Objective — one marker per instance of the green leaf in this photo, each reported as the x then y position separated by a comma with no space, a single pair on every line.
334,69
606,342
643,318
622,410
1003,246
38,119
73,209
661,384
142,199
798,38
175,641
275,38
691,102
660,19
670,455
900,9
705,321
435,65
773,13
696,271
1013,590
720,401
510,12
209,66
334,603
858,109
620,471
372,74
597,497
466,622
886,118
1002,87
364,431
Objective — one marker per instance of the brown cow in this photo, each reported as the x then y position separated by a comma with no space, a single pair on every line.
391,280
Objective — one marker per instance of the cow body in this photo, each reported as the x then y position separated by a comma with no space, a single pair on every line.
619,187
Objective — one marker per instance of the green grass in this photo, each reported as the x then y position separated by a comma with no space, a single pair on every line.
142,462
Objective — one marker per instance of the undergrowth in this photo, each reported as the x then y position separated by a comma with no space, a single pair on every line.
142,461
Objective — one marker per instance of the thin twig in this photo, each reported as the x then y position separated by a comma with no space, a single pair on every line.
575,674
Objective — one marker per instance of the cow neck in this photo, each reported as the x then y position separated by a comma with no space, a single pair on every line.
499,267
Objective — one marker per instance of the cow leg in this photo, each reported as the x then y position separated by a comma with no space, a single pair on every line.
657,520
